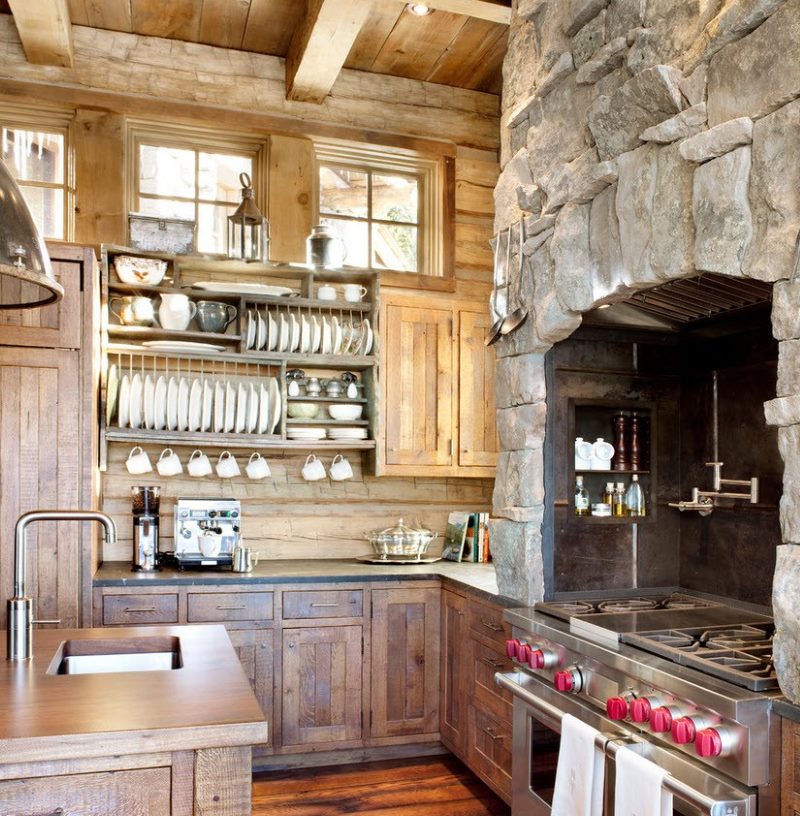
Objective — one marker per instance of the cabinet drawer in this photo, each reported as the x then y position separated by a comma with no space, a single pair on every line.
229,606
129,610
489,751
339,603
485,661
487,622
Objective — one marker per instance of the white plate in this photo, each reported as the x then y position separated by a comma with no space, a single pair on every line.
305,335
326,346
230,408
160,417
251,330
172,404
274,403
183,404
294,342
243,288
366,346
252,409
196,405
272,332
219,407
264,414
261,333
338,433
136,401
283,330
149,403
316,334
208,406
181,345
241,408
303,434
336,339
112,392
124,412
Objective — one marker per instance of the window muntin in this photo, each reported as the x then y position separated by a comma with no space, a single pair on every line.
37,158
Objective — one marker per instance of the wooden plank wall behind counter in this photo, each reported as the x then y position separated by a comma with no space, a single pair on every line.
287,517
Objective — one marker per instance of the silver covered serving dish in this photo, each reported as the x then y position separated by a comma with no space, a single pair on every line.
401,540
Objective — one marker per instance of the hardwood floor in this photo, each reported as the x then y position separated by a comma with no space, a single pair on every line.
428,786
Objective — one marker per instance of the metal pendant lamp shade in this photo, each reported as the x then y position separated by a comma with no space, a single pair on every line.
26,277
248,229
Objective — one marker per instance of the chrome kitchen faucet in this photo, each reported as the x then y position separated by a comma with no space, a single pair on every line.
20,607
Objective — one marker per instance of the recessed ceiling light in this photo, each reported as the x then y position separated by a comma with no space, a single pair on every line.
420,9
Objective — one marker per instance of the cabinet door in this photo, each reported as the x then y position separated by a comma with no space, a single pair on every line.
405,661
40,466
54,326
254,648
418,376
477,429
453,669
321,694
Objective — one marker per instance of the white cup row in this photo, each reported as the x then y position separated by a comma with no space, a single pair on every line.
314,470
353,292
199,465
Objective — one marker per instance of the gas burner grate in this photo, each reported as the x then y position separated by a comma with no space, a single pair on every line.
627,605
613,606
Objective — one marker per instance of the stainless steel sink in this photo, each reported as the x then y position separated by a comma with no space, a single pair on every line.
139,654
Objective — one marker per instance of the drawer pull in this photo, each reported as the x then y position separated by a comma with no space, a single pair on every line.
222,608
492,662
318,605
140,609
490,732
491,625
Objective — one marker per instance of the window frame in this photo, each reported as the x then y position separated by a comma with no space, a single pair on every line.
433,268
43,119
189,137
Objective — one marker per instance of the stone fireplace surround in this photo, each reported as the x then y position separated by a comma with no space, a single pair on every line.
643,141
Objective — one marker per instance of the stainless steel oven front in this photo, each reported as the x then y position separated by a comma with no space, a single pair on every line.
538,709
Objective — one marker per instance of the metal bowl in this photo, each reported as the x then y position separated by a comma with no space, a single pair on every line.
401,540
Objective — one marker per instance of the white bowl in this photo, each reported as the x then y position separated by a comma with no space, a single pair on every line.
302,410
347,412
138,271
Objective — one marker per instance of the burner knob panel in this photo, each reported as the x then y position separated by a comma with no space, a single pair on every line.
683,730
617,708
640,710
709,743
542,659
568,680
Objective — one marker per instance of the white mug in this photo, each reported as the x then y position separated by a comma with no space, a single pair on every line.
176,311
138,462
340,469
198,464
227,466
257,467
326,292
313,469
210,543
354,292
168,463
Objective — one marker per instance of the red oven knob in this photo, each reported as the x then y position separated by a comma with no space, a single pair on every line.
640,710
511,647
568,680
683,730
542,659
523,652
660,720
617,708
709,743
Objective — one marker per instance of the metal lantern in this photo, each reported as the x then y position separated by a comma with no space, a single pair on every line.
248,230
26,277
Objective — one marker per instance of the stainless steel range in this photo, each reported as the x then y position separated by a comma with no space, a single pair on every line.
686,681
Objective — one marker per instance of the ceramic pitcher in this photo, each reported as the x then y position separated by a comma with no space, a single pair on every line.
176,311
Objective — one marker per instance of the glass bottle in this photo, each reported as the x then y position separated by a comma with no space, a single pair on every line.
581,498
608,494
634,498
618,505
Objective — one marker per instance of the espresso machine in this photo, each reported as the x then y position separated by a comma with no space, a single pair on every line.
207,531
146,501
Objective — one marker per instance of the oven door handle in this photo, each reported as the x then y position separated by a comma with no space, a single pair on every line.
733,804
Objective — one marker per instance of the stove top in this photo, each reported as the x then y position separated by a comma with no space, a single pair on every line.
566,610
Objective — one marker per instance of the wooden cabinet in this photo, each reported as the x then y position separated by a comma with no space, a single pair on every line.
405,661
256,652
47,389
438,389
452,672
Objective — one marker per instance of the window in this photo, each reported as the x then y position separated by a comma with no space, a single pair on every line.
35,151
384,207
182,174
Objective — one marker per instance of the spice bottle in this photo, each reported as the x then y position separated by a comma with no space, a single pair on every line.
618,505
581,498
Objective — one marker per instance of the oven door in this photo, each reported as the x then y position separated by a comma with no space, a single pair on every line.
536,738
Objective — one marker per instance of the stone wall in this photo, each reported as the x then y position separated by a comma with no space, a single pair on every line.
642,141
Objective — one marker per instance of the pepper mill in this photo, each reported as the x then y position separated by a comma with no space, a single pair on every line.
635,449
621,461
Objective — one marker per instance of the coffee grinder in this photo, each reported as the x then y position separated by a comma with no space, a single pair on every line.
146,502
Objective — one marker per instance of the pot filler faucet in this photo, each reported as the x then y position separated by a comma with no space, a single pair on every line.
20,607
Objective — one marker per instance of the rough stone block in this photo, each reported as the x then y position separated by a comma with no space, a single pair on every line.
685,124
579,181
530,199
604,243
760,73
645,100
788,368
775,195
722,219
535,241
789,445
693,86
718,140
786,611
591,37
521,426
636,190
624,15
785,313
783,412
563,67
574,272
517,549
735,19
579,12
551,321
519,380
519,480
528,9
514,175
533,226
603,62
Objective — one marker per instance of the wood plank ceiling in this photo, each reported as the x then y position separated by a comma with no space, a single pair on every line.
461,43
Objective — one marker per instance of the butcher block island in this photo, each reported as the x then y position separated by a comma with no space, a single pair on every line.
174,740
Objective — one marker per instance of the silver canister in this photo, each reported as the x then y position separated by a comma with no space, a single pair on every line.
324,249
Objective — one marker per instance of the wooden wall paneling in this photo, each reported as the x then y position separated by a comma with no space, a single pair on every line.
405,658
222,23
270,24
292,196
178,20
111,14
374,33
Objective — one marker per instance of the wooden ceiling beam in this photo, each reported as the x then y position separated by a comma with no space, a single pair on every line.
495,11
320,46
45,30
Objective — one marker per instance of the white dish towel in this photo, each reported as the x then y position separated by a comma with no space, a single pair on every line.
639,789
580,773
